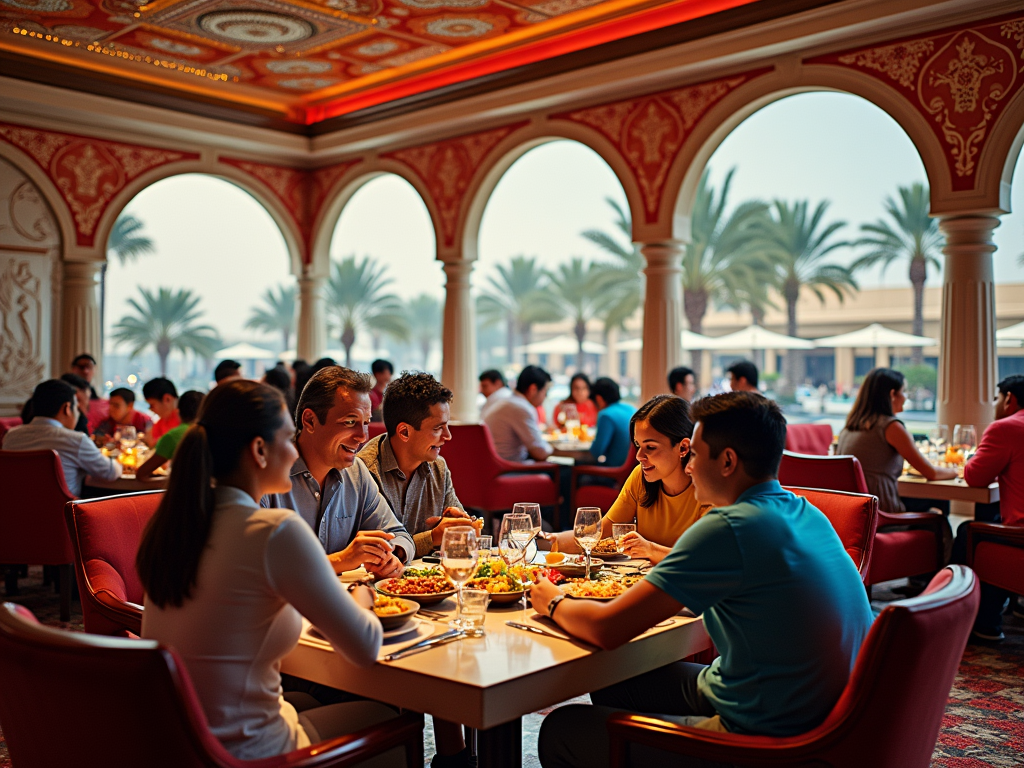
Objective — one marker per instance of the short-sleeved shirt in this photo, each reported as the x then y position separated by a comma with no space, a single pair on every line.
882,464
165,425
168,444
612,437
79,456
783,603
109,427
665,520
514,427
429,491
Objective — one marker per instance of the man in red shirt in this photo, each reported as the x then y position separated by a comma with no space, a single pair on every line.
162,397
1000,455
123,414
382,371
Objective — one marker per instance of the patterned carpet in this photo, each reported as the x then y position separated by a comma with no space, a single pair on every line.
983,726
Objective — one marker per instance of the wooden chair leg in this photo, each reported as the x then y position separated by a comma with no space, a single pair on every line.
65,575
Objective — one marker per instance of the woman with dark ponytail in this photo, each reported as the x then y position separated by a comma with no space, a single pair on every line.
226,581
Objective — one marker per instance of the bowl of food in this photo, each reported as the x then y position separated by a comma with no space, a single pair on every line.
393,612
576,565
594,590
425,585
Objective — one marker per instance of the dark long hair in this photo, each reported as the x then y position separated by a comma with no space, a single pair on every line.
230,418
582,377
874,399
668,415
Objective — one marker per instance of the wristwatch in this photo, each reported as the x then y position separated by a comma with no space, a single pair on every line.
554,604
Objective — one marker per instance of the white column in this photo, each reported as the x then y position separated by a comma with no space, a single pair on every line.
882,359
844,369
458,350
80,316
771,361
663,313
311,332
967,354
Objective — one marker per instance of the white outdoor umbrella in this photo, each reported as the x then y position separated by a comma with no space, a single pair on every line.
563,345
244,351
756,337
1013,336
874,336
691,340
292,354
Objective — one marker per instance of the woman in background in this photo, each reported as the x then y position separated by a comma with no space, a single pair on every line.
579,396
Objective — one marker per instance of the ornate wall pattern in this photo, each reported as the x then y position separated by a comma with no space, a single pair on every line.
649,131
87,172
960,80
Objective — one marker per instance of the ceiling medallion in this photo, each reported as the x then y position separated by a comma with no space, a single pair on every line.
259,28
298,67
458,27
39,6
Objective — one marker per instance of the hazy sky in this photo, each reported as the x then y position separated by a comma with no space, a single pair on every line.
215,239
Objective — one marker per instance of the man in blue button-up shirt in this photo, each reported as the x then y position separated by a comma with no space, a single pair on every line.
332,490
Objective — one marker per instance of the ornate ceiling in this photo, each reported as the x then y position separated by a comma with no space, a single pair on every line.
308,61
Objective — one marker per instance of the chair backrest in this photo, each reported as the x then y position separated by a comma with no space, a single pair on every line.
853,515
116,701
32,526
105,534
375,428
833,473
891,710
7,423
473,461
810,439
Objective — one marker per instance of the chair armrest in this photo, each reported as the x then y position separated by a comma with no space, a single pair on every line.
355,747
923,519
507,467
1010,535
118,611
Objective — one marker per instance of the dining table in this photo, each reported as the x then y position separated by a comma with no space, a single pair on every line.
126,483
489,683
916,487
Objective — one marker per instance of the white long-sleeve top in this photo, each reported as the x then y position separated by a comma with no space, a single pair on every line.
260,570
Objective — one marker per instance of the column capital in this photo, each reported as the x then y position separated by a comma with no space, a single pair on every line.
83,270
971,230
457,270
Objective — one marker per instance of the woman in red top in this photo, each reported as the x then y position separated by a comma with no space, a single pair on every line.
579,395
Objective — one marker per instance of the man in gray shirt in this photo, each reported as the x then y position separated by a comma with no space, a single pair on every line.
513,421
406,461
55,414
331,489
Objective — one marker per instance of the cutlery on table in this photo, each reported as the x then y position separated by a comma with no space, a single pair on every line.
538,630
423,645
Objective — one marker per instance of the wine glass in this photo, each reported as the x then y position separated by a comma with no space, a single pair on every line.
966,440
459,557
938,436
129,438
516,532
572,422
587,530
533,512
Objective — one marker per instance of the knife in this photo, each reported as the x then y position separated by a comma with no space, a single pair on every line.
538,630
447,637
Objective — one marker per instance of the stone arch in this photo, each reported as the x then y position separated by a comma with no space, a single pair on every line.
724,117
1002,151
342,191
24,164
517,144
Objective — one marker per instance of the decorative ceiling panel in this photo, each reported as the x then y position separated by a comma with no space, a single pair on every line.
309,60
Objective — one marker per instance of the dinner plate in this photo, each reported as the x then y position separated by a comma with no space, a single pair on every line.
429,599
504,598
614,557
565,589
573,569
410,625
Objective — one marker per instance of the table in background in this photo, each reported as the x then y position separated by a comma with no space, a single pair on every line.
124,484
914,487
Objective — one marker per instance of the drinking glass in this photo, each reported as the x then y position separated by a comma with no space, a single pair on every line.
516,532
474,611
533,511
484,543
939,436
618,531
965,438
459,557
572,422
129,438
587,530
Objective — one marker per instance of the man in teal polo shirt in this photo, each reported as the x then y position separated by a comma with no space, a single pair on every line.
781,600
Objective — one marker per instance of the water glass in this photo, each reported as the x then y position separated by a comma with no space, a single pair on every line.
129,438
618,531
516,533
484,544
587,531
474,611
533,511
939,437
459,557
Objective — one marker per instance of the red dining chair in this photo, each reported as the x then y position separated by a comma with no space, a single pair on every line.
105,535
889,714
375,429
7,423
811,439
853,515
602,496
917,548
130,702
488,483
996,553
32,526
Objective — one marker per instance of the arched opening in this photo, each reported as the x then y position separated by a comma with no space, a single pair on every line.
801,178
384,296
181,285
1008,263
538,275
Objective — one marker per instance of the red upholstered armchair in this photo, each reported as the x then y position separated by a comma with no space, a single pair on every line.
7,423
105,534
853,515
32,526
811,439
486,482
602,496
887,717
130,702
996,553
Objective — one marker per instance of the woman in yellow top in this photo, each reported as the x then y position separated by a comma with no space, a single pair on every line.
658,494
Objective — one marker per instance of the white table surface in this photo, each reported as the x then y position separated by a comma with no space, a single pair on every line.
915,487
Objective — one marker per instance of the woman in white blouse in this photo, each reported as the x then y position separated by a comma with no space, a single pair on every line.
226,581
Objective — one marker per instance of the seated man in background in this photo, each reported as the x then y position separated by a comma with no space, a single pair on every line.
123,414
742,376
85,366
1000,456
382,371
782,601
54,416
188,408
227,370
332,490
682,383
162,397
82,396
513,421
494,388
611,440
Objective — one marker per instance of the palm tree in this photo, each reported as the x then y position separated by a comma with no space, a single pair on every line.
277,315
619,282
797,245
126,243
720,261
423,313
357,301
166,320
573,288
915,237
519,297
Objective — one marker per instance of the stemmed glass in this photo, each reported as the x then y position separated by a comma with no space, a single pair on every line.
938,436
587,530
459,557
533,512
572,422
516,533
129,438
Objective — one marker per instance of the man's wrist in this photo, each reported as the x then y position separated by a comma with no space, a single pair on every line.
553,603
